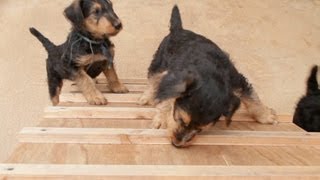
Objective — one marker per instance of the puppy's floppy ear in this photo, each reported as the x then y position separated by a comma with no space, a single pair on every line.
174,85
74,13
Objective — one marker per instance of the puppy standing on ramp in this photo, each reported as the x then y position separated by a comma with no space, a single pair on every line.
193,83
87,51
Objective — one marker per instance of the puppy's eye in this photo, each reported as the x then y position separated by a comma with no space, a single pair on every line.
97,12
187,95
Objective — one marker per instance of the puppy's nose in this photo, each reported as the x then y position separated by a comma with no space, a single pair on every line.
176,145
118,26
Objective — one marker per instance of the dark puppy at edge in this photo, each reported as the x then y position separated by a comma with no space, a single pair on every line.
87,51
307,114
193,83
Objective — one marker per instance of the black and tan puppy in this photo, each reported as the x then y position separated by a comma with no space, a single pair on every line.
193,83
307,114
87,51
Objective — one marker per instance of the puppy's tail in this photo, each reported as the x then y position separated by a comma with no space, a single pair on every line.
312,81
45,41
176,22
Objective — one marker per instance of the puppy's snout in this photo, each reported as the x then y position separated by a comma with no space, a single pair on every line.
183,139
178,143
118,25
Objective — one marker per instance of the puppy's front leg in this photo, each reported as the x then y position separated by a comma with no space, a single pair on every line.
115,85
163,115
90,92
55,85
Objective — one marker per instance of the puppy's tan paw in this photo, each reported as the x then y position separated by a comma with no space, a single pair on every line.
97,99
268,116
119,88
158,124
144,100
55,100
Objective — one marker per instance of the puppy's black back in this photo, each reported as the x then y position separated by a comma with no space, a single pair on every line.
307,114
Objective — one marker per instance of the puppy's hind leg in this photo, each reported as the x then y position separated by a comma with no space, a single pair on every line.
233,107
258,110
252,102
55,85
147,96
153,84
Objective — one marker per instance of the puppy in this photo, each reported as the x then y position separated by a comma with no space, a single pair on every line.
307,113
193,83
87,51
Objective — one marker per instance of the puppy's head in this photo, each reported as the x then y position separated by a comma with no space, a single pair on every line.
198,103
95,17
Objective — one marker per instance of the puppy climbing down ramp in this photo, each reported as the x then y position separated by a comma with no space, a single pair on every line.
79,141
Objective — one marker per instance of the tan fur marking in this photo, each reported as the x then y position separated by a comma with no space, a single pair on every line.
55,100
99,27
90,92
176,127
258,110
113,81
206,127
89,59
148,95
96,6
164,116
183,115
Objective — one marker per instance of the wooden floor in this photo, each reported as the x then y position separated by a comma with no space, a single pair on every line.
79,141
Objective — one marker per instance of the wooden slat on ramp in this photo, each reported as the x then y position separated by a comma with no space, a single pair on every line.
163,172
151,136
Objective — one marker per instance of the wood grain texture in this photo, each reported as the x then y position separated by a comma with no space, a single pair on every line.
112,98
165,172
151,136
102,80
104,88
146,123
165,155
125,113
99,112
132,87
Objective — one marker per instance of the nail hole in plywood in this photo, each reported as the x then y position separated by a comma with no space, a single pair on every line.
9,169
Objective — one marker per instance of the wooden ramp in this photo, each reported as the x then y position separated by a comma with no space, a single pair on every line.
79,141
